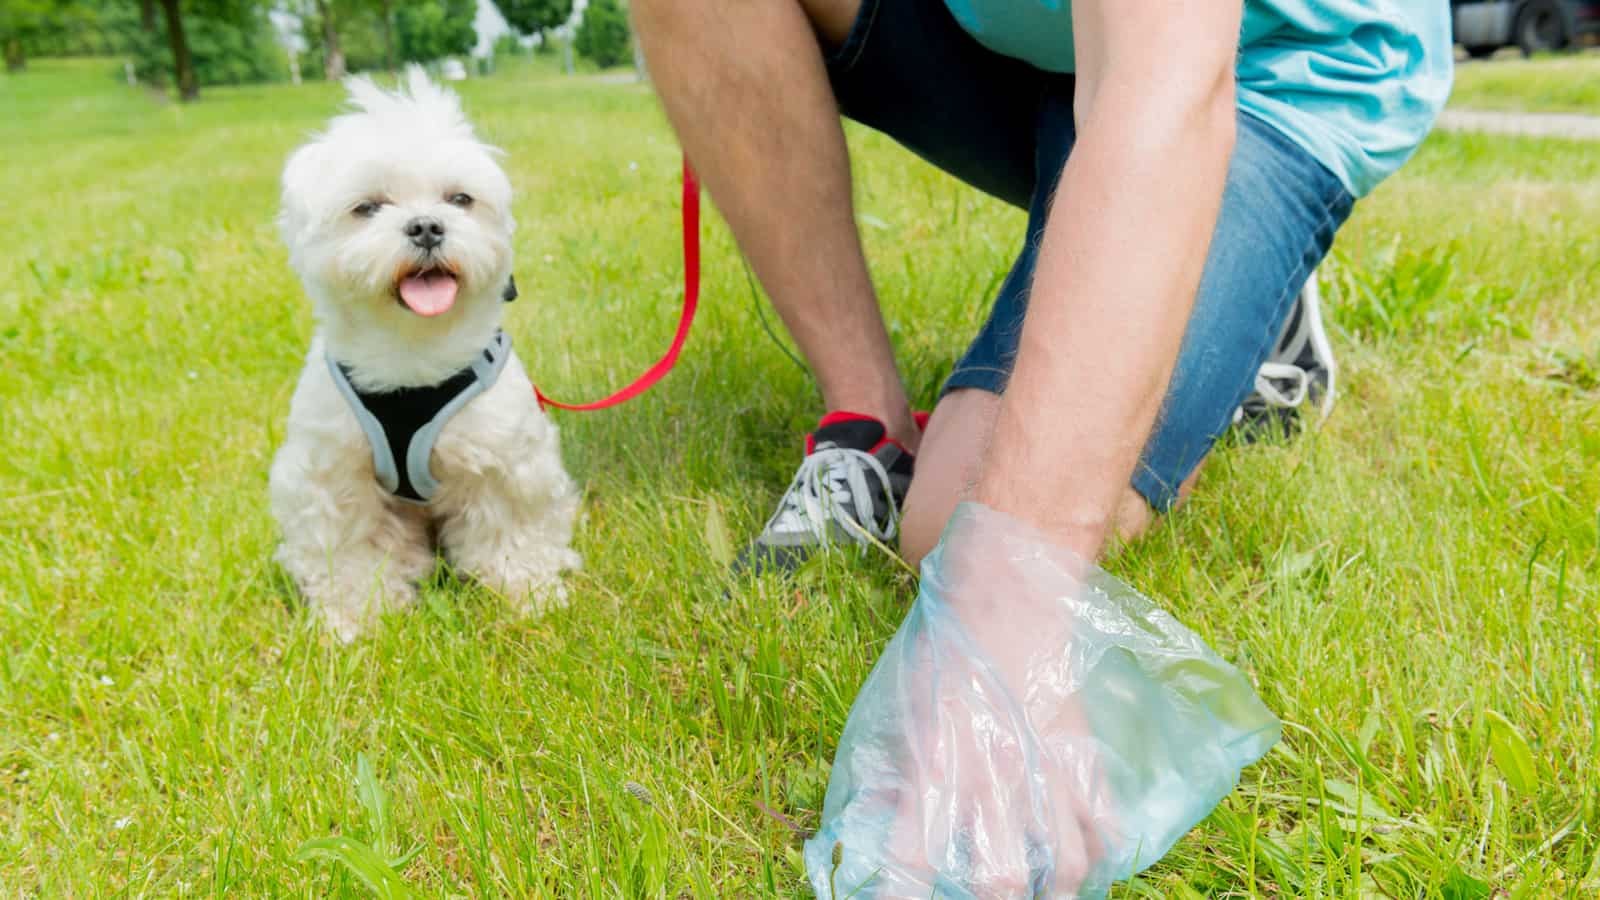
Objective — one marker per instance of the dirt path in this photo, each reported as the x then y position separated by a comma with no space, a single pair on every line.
1560,125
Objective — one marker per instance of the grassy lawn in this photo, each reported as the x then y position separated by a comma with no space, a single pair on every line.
1567,83
1415,588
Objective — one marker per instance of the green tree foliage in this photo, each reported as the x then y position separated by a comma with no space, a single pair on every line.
32,28
385,11
20,21
182,58
357,27
508,45
430,29
368,35
603,37
333,58
535,16
228,42
48,28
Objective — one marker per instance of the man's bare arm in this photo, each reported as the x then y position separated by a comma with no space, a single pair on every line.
1120,263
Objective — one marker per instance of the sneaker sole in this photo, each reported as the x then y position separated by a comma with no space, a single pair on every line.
1321,349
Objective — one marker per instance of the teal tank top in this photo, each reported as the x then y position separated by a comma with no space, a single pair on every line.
1356,83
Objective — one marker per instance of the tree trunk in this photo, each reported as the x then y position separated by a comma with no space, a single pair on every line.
332,55
388,34
16,59
182,63
147,16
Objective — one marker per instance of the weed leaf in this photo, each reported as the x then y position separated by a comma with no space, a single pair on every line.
1511,755
365,863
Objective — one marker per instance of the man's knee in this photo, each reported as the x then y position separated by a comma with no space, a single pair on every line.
947,464
832,19
919,533
1134,515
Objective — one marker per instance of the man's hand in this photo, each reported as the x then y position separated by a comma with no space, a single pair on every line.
1120,262
1035,729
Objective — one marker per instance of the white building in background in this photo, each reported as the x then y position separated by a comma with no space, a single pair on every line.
491,26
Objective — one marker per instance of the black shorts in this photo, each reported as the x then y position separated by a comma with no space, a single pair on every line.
909,70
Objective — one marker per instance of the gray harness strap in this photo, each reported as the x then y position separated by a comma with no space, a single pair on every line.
403,425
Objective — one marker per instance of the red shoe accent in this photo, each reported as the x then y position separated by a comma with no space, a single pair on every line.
844,415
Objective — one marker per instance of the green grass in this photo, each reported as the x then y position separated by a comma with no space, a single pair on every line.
1414,588
1567,83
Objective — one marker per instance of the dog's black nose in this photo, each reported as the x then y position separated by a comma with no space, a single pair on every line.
425,231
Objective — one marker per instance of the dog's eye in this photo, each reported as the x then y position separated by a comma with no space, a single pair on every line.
461,200
368,209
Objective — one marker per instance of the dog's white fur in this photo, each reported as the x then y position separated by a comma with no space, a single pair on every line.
505,507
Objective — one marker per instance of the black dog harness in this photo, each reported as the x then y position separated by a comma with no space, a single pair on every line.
403,425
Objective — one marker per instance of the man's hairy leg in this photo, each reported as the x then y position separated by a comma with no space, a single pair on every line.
744,86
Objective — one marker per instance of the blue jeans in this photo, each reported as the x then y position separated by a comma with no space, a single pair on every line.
909,70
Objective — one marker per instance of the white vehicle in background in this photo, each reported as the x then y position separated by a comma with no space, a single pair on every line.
1535,26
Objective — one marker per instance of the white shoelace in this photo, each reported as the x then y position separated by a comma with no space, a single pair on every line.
835,476
1271,373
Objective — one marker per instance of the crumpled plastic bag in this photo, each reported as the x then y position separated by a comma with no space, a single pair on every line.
1036,728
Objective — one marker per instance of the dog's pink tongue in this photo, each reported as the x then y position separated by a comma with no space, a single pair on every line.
430,294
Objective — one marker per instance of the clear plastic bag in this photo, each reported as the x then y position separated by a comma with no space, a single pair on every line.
1036,728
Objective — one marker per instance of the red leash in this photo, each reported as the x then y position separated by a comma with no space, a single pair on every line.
691,300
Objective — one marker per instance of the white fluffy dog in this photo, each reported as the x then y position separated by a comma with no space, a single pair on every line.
413,428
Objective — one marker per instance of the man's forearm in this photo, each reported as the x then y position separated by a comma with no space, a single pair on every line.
1121,260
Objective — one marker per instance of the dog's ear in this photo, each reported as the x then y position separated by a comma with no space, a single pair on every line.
510,292
300,173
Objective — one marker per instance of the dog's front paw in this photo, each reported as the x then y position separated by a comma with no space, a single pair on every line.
526,595
354,615
345,624
531,586
536,600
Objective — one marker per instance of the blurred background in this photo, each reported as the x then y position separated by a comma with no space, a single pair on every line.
184,46
187,45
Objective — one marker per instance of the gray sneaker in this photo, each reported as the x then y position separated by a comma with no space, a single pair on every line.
1298,375
847,491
